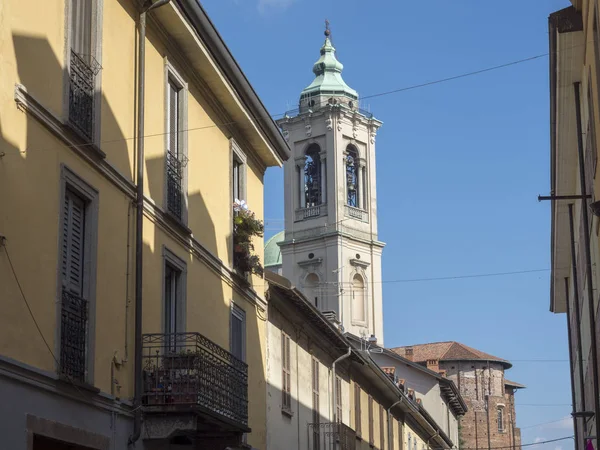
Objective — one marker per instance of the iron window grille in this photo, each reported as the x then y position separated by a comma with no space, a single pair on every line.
175,165
82,81
189,370
74,318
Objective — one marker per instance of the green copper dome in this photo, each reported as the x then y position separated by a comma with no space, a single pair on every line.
328,72
272,250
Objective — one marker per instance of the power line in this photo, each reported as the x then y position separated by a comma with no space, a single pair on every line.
37,326
543,423
456,77
522,445
273,116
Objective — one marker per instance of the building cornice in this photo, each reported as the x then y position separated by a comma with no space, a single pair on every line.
96,159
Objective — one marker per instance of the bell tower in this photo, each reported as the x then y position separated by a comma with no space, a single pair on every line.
330,250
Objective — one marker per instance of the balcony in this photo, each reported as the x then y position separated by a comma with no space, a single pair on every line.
356,213
186,373
331,434
310,212
82,82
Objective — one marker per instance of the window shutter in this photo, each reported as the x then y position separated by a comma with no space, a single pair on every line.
73,243
173,119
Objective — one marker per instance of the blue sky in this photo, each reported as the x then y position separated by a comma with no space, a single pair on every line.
459,166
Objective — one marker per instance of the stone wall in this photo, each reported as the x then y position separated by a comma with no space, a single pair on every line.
490,404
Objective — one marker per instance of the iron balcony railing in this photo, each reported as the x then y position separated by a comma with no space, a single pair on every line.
82,74
73,334
305,108
189,370
175,165
332,433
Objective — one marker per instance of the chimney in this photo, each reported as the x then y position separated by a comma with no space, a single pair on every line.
332,317
408,353
390,372
433,364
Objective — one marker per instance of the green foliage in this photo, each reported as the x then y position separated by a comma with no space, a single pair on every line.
245,227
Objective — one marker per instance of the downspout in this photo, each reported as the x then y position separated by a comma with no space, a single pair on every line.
577,311
139,218
570,340
437,433
588,261
390,443
344,356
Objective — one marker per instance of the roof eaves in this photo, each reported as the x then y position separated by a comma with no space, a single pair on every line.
208,32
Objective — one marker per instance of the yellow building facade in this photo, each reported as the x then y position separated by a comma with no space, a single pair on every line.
70,121
364,408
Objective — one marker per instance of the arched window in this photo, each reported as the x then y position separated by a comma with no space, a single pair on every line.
311,285
312,176
352,178
358,298
500,419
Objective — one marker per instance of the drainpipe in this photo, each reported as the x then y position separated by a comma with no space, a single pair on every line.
139,217
577,311
437,433
390,443
570,340
344,356
588,261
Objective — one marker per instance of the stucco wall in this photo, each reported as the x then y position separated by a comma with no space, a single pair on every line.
32,45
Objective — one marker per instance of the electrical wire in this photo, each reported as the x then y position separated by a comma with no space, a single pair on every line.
273,116
37,326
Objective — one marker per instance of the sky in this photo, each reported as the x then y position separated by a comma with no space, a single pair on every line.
459,167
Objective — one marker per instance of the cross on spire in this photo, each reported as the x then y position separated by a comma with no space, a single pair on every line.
327,30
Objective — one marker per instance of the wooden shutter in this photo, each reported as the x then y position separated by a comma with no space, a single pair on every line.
381,428
357,412
286,372
73,242
173,128
371,427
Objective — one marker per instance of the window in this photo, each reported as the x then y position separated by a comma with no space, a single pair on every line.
286,401
173,296
315,405
371,424
238,172
78,222
74,305
352,177
358,299
500,420
400,436
381,428
83,67
312,177
311,284
357,412
238,332
338,399
175,143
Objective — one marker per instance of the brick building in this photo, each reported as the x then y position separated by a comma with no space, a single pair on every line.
490,421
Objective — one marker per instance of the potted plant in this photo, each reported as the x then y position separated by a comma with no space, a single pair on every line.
245,227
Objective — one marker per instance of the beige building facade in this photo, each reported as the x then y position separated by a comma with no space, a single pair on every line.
575,254
363,408
88,345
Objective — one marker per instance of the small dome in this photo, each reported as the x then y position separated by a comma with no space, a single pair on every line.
272,250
